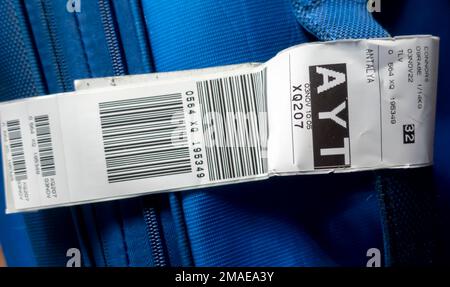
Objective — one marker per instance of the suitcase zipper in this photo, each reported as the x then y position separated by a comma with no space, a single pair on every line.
116,54
111,36
63,79
118,63
154,234
151,216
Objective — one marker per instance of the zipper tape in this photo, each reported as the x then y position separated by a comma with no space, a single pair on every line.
340,106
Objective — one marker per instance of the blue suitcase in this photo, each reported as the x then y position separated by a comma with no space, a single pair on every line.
321,220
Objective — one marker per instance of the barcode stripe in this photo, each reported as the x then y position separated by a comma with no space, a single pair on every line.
224,103
206,120
230,109
229,125
45,145
237,124
122,103
17,151
139,137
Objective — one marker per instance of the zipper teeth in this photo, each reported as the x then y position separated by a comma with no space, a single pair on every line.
112,41
151,221
58,59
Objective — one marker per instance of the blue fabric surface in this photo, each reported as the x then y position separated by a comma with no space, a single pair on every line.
197,34
321,220
337,19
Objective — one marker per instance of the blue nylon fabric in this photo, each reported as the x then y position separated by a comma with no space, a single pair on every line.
175,249
197,34
337,19
135,236
20,72
408,205
109,227
282,222
90,236
134,38
180,228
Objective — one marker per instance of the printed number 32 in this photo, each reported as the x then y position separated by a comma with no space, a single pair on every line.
409,136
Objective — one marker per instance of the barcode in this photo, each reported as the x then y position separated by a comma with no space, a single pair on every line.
233,111
145,137
45,145
16,147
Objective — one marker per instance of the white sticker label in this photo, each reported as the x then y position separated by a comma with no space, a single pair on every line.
354,105
315,108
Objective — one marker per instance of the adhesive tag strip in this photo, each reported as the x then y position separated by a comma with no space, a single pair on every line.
314,108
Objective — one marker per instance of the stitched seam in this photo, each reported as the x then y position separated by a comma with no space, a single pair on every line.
83,45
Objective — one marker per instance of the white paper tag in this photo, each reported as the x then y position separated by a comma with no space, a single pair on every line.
354,105
321,107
